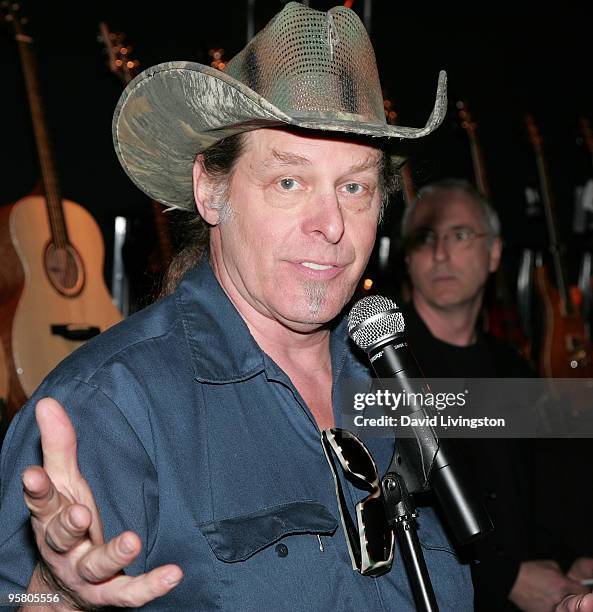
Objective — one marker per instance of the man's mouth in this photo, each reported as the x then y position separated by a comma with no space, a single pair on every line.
316,266
443,277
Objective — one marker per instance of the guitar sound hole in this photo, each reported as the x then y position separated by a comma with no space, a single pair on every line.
64,269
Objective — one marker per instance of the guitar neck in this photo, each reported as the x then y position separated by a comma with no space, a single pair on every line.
552,226
124,67
408,188
478,165
470,127
48,173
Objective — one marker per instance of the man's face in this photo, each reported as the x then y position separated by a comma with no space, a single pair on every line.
446,276
303,223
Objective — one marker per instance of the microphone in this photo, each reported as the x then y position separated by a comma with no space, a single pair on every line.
376,325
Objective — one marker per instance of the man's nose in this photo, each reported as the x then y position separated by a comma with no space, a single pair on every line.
325,218
441,248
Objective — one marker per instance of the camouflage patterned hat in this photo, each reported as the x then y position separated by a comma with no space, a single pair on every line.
306,68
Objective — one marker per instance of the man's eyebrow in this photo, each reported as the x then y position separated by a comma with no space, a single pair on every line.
430,228
285,158
372,161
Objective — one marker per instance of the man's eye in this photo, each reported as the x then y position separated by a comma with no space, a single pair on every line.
288,184
463,235
354,188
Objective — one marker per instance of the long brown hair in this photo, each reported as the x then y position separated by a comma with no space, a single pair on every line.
218,161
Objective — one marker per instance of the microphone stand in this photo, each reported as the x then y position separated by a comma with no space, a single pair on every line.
401,516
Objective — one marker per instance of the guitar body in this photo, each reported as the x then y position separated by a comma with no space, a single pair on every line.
83,302
502,321
565,351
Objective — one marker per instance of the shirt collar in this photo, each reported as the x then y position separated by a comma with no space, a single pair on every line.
222,347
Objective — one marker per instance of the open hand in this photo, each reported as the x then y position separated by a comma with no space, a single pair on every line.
75,559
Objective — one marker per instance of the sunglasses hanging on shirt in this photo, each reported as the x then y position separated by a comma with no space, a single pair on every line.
371,542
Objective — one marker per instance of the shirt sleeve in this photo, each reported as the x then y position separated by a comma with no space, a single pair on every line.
111,458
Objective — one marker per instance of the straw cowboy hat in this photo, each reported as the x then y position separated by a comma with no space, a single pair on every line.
309,69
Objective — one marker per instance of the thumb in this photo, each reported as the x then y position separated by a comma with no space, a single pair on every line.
58,441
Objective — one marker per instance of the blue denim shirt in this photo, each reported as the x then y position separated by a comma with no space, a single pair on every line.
191,436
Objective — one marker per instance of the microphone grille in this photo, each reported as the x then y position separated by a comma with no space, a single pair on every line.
372,319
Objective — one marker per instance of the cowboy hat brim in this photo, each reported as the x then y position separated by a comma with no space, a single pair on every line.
171,112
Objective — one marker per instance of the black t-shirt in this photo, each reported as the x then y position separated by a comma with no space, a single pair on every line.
500,468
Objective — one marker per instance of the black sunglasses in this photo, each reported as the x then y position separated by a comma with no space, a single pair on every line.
371,547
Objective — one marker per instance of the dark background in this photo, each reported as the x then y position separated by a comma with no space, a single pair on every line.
504,64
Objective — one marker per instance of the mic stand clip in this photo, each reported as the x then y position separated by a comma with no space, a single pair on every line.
401,516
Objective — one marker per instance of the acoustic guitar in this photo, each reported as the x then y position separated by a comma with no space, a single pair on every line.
52,294
566,352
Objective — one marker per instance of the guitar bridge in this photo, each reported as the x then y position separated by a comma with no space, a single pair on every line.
72,331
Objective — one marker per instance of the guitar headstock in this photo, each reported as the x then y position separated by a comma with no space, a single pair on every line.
119,54
465,119
533,132
11,14
587,132
390,112
218,60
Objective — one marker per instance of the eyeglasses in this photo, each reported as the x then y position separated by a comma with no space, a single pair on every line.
371,547
456,239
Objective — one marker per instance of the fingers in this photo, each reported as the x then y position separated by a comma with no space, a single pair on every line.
41,497
58,444
576,603
101,565
581,568
128,592
68,528
58,440
103,562
60,524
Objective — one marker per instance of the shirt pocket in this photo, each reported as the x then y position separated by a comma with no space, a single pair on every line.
238,538
272,558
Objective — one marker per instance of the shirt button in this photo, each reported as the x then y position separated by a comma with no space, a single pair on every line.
281,550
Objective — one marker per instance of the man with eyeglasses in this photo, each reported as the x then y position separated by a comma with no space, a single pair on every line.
452,244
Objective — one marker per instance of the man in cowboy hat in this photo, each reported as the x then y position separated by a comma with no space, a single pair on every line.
184,443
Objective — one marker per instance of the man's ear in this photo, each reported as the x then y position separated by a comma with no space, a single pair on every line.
495,254
203,193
